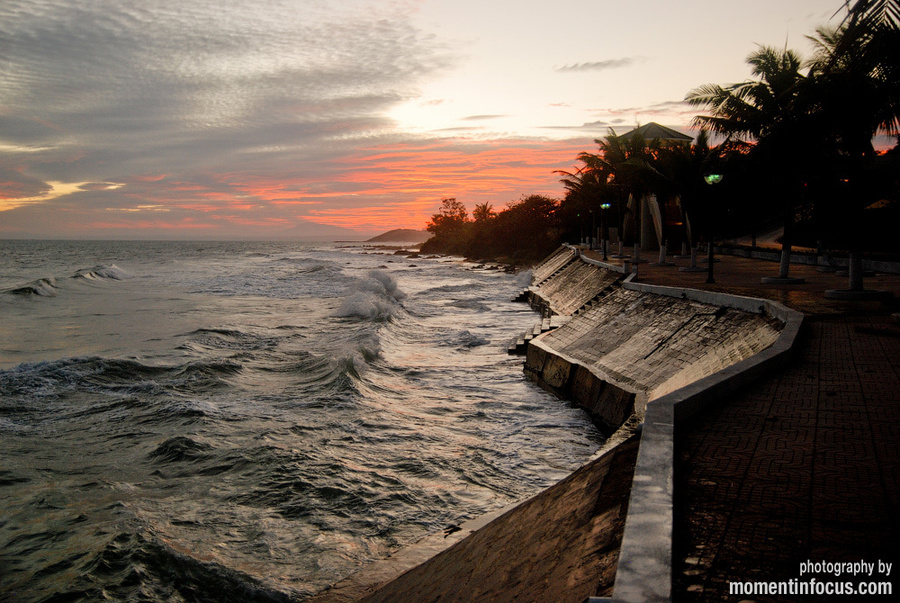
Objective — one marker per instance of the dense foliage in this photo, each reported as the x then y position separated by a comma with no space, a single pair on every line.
524,232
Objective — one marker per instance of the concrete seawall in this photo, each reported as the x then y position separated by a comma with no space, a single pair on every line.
629,354
626,345
561,545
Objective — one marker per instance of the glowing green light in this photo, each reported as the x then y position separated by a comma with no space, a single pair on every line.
713,178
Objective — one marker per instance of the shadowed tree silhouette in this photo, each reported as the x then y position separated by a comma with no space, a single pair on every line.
483,212
621,171
773,112
449,226
856,71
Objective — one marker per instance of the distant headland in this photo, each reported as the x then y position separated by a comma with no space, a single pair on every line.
402,235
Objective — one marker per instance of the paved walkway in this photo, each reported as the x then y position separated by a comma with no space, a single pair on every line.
741,276
803,465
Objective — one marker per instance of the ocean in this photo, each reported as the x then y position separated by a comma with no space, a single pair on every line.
234,421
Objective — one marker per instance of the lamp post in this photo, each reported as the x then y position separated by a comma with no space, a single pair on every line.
711,179
604,236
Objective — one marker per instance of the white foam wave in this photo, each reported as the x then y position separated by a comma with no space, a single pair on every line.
382,282
45,287
377,298
367,305
112,272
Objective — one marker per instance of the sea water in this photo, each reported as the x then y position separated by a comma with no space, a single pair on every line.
254,421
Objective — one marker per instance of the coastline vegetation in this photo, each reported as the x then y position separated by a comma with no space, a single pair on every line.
794,148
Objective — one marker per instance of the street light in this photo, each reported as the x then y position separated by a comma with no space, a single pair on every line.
711,179
603,234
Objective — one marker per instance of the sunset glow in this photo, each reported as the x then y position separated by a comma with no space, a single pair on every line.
248,126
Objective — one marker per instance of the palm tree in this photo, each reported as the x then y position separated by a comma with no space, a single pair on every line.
771,111
483,212
857,73
622,165
867,14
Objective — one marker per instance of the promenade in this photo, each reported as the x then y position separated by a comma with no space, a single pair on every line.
802,465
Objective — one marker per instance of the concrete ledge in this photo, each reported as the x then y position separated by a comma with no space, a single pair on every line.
724,300
645,564
605,265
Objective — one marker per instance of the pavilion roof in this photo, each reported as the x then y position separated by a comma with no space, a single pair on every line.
653,131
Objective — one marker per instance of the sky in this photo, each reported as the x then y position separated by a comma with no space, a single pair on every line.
215,119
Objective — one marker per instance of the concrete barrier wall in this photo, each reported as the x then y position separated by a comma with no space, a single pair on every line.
554,262
644,573
633,343
660,354
572,287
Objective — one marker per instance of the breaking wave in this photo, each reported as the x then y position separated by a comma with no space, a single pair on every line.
51,287
44,287
111,272
377,299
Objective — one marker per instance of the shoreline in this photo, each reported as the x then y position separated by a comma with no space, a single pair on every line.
614,398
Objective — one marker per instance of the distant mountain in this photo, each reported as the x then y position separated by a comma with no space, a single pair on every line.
402,235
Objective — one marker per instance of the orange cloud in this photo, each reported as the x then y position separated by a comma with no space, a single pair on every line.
406,181
386,186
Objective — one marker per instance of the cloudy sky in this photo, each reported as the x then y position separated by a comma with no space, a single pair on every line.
221,118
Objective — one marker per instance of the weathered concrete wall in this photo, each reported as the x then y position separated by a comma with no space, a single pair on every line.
554,262
608,404
561,545
573,286
628,346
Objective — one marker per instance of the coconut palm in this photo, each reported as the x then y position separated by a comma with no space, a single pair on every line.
873,13
623,165
857,74
679,171
771,111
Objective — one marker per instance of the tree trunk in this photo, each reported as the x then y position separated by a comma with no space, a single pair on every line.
785,261
786,241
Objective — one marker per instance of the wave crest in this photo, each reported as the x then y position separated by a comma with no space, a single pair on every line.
377,299
111,272
44,287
